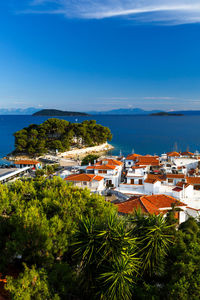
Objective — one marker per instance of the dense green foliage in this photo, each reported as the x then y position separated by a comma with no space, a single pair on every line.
65,243
59,134
90,158
48,170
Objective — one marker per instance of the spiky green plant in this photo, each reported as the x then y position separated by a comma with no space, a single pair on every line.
105,252
154,243
118,281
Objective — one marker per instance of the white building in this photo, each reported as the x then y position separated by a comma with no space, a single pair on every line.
189,163
130,160
110,169
136,175
34,164
93,182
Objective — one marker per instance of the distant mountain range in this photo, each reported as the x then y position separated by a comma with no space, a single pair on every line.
18,111
120,111
124,111
141,112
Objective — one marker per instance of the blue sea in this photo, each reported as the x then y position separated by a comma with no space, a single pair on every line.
142,134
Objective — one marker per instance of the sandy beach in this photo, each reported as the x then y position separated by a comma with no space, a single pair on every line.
80,153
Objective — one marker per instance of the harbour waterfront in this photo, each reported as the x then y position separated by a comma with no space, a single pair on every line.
144,134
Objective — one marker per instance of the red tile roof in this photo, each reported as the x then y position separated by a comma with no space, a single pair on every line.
110,162
182,184
173,154
84,177
133,156
153,178
152,181
130,205
148,161
102,167
177,189
153,204
175,175
193,180
187,153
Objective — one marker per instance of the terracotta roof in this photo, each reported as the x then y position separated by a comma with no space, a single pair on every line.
177,189
175,175
182,184
153,204
152,178
193,180
102,167
26,162
84,177
148,161
133,156
187,153
163,201
152,181
109,161
130,205
173,154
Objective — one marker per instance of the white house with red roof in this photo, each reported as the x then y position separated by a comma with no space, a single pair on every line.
130,160
93,182
154,204
136,175
184,191
22,163
172,155
140,161
110,169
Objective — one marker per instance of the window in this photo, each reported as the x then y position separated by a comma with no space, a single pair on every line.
84,183
102,172
170,180
132,181
140,181
129,162
108,182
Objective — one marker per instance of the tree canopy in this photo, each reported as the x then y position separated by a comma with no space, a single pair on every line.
62,242
59,134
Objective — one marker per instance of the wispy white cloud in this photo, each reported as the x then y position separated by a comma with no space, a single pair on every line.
162,11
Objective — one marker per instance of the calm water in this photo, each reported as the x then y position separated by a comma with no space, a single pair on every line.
144,134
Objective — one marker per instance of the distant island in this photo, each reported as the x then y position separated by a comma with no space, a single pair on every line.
141,112
58,113
124,111
162,113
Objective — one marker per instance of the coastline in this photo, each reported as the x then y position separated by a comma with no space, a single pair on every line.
71,154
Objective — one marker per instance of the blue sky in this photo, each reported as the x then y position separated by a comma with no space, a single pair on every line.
100,55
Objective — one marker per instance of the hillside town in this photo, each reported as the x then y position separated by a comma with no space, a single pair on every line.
153,184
